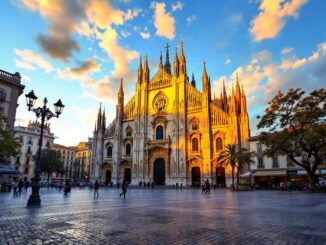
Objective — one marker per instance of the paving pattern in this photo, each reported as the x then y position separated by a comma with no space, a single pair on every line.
165,216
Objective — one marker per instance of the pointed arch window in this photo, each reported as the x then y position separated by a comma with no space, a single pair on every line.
219,144
195,144
109,151
159,132
128,149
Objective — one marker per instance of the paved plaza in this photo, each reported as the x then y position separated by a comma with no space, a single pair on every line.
165,216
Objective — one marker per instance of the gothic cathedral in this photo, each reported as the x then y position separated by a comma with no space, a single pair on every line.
169,132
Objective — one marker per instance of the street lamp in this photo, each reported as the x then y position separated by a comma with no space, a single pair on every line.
45,114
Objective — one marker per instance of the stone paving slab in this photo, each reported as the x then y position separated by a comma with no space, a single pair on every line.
162,216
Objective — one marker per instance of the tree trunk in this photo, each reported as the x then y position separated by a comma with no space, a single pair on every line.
312,179
233,177
238,176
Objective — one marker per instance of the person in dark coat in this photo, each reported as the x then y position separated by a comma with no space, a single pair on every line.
96,188
67,188
124,189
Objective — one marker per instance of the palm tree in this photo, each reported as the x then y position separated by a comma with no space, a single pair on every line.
229,157
245,159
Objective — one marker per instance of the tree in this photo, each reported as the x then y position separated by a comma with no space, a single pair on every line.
50,162
229,157
8,145
297,128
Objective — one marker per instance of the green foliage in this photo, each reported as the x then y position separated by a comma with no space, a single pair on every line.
50,161
236,157
296,125
8,145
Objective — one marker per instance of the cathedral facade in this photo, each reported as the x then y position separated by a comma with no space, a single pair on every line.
169,132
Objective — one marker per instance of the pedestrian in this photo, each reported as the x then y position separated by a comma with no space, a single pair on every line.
124,189
96,188
67,188
208,187
15,186
203,187
20,186
281,186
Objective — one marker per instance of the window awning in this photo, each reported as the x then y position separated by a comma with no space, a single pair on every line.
278,172
7,170
245,175
317,172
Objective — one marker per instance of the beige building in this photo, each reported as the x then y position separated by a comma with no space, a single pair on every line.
82,162
67,157
169,132
29,138
10,89
268,172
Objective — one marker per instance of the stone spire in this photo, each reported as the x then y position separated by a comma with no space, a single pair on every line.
176,63
193,82
204,79
183,69
99,117
161,62
237,88
120,96
140,71
146,70
103,120
167,65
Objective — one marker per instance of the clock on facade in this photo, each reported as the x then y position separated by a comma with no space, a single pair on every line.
161,103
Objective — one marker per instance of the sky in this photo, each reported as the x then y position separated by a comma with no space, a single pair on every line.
78,50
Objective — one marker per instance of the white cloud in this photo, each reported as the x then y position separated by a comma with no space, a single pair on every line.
272,17
177,6
286,50
29,60
190,20
132,13
145,35
125,34
163,21
227,61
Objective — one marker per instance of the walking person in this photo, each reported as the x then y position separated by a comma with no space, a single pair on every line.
124,189
67,188
208,187
203,190
20,186
15,186
96,188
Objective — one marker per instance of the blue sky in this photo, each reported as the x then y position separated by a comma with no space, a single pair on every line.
78,50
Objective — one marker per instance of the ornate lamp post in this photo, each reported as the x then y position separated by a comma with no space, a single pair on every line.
45,114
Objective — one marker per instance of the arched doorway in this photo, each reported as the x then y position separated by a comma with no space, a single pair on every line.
195,176
220,177
108,177
159,171
127,175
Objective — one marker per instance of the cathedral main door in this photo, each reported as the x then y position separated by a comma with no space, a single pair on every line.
159,171
127,175
220,177
195,176
108,177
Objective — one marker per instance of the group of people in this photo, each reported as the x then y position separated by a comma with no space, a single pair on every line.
206,187
124,187
20,186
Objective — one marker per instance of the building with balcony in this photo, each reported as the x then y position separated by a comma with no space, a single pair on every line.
29,137
81,169
67,157
268,172
10,89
